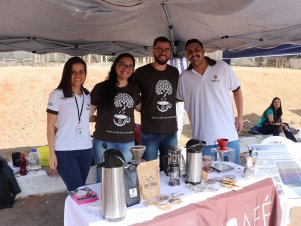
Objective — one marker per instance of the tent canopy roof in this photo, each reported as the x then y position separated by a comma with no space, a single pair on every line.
108,27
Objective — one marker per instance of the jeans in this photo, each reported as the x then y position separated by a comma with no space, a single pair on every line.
74,166
232,144
99,149
288,132
155,142
275,130
269,129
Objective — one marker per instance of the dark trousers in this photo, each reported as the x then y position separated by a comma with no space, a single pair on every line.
275,130
269,129
288,132
74,166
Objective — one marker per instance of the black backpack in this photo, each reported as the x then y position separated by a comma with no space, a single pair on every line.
9,187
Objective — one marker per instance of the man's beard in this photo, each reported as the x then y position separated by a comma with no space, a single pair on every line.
160,61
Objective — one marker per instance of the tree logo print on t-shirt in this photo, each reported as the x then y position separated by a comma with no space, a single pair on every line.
123,101
163,88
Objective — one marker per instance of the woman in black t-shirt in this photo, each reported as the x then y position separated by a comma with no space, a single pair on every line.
115,100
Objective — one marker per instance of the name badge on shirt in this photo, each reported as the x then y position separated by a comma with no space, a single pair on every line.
79,131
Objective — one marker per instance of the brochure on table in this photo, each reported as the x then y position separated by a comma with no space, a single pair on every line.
280,163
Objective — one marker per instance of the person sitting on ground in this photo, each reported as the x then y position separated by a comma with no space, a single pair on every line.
271,121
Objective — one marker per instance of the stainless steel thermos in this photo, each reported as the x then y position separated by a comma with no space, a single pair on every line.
113,196
194,161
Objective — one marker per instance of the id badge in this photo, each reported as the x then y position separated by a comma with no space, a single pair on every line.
79,131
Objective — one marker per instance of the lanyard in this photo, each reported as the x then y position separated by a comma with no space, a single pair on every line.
81,111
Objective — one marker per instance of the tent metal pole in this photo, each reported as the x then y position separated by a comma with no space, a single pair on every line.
172,37
66,45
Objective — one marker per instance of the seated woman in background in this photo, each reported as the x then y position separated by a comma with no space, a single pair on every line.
271,121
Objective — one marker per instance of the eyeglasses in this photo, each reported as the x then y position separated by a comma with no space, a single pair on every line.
159,50
124,66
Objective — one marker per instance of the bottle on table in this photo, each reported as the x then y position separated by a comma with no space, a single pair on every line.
22,163
33,160
249,170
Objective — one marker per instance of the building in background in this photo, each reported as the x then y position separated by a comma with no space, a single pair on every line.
31,59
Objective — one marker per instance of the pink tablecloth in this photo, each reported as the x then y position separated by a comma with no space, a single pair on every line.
257,204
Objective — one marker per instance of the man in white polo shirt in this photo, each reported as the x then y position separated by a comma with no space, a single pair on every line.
205,89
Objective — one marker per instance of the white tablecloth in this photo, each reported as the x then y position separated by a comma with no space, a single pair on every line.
291,200
292,194
89,214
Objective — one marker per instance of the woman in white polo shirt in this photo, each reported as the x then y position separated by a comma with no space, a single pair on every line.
68,134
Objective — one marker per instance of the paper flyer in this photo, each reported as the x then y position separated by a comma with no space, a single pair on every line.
275,161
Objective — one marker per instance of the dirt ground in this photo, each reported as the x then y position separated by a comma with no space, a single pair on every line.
24,94
47,210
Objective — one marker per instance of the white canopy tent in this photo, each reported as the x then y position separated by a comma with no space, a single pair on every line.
108,27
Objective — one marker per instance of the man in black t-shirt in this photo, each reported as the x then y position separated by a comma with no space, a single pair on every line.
157,83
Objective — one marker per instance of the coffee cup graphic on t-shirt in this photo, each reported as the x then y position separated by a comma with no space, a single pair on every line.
121,120
163,88
163,105
122,101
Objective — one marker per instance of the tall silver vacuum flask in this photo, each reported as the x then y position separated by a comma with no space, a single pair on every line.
194,161
113,198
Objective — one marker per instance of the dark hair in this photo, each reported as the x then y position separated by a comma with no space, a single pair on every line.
65,83
277,112
194,40
210,61
161,39
111,84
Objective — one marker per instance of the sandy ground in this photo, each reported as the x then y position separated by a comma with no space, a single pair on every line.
24,94
25,90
